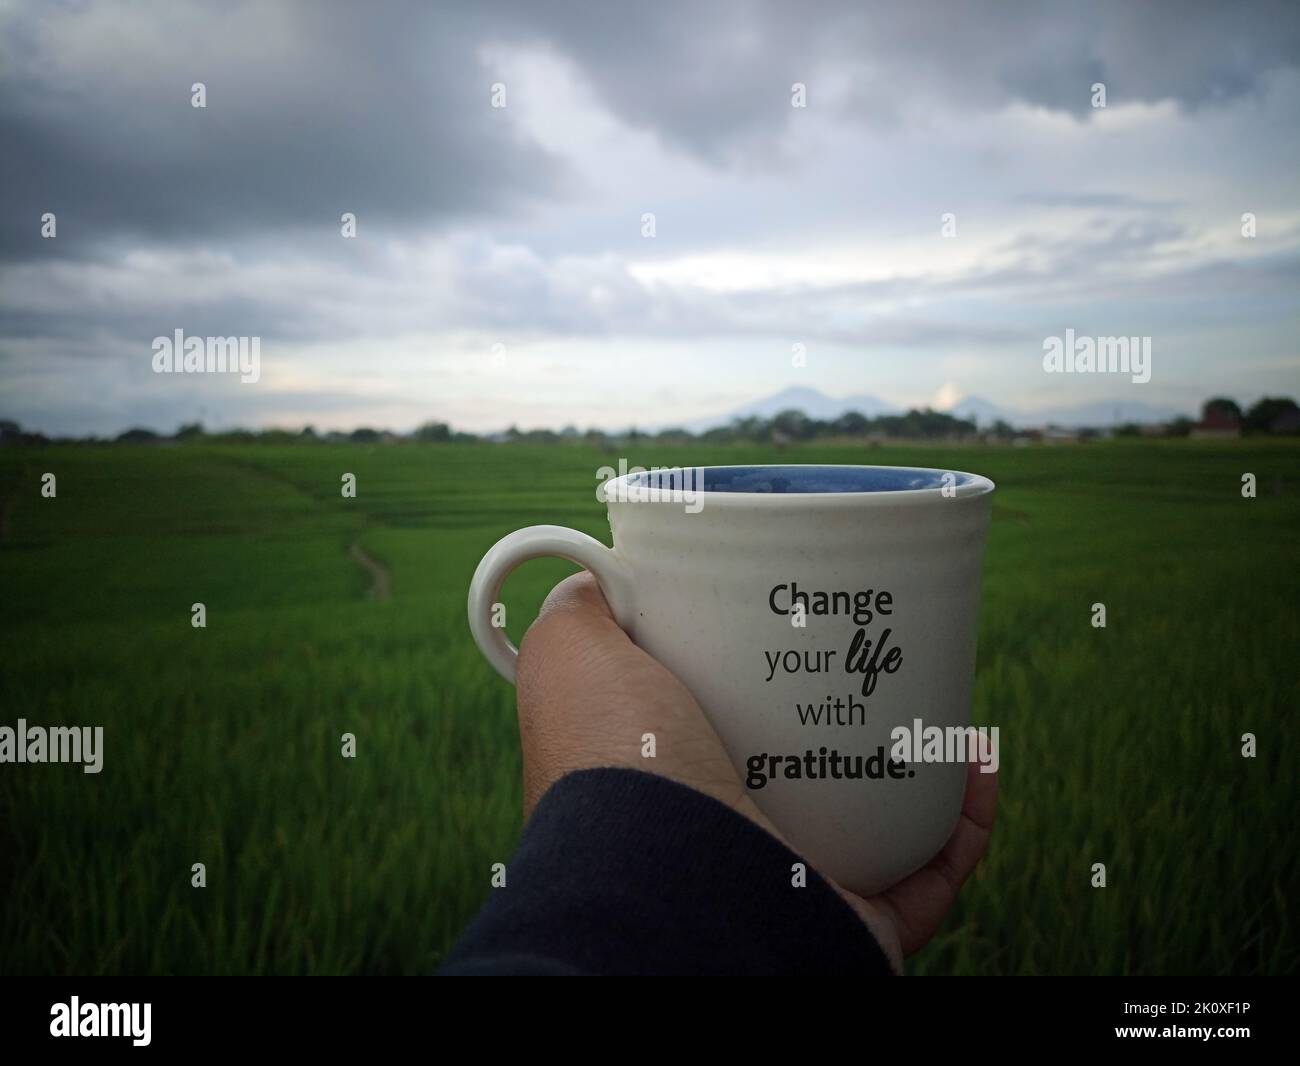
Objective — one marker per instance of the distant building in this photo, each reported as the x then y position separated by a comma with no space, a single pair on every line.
1217,424
1059,435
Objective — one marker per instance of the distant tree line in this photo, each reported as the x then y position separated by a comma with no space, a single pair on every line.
1220,415
1271,415
785,427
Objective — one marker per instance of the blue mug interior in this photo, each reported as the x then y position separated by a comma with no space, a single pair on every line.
790,479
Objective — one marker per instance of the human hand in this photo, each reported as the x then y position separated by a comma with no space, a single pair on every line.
587,695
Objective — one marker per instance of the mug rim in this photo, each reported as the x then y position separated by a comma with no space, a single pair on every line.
616,490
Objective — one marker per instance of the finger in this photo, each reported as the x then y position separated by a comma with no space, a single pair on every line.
573,666
981,802
573,616
579,597
919,903
970,838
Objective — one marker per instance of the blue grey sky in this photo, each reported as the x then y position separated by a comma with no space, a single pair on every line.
501,272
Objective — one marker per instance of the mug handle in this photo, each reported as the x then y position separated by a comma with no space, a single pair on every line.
533,543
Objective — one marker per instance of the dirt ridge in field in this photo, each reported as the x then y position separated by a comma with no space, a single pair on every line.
381,581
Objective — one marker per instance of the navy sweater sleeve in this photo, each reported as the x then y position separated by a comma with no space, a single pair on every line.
624,872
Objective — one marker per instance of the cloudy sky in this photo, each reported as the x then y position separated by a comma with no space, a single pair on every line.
501,270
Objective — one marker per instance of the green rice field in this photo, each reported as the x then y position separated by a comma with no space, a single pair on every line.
328,615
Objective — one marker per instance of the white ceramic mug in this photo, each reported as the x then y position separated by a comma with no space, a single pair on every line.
709,570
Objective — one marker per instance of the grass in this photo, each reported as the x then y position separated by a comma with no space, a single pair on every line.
1119,745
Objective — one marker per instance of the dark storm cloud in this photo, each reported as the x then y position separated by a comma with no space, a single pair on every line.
384,113
715,79
382,109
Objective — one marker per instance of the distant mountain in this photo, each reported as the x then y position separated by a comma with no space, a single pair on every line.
800,398
982,412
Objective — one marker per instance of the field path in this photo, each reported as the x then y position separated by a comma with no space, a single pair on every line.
381,581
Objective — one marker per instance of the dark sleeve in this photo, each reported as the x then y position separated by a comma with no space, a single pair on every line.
624,872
